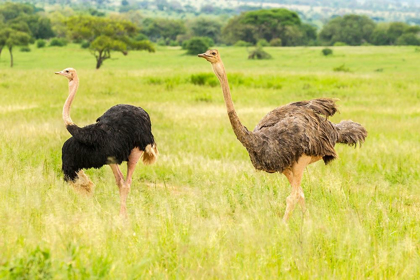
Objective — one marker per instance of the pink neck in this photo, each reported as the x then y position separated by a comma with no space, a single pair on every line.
73,85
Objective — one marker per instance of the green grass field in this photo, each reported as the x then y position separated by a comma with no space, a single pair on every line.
203,212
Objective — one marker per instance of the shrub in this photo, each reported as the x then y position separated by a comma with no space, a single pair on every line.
202,79
85,44
58,42
262,43
40,43
173,43
408,39
197,45
25,49
327,51
161,42
276,42
340,44
241,43
259,53
341,68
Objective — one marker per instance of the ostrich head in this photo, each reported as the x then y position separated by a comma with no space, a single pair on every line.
69,73
211,56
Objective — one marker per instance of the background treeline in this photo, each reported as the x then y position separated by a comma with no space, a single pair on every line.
101,33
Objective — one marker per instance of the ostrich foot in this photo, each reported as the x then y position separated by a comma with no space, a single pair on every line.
83,184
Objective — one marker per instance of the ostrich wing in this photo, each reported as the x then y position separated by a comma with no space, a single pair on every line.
321,106
91,135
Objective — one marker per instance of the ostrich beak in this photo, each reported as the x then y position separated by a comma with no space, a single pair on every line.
202,55
58,73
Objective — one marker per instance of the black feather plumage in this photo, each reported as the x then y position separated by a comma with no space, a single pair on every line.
110,140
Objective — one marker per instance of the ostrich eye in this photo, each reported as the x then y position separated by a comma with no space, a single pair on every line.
213,53
67,71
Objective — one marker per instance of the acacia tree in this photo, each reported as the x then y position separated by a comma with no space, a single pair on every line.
11,37
268,25
105,35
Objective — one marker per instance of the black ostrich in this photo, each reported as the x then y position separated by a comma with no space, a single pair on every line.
123,133
290,137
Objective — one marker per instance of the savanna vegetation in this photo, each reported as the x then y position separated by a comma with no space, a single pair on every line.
104,32
202,211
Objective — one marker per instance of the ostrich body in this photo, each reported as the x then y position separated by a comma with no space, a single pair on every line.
290,137
123,133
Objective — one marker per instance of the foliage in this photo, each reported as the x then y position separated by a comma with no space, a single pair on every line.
206,27
58,42
202,79
408,39
350,29
40,43
85,45
262,43
197,45
264,24
105,35
340,44
241,43
156,28
25,49
276,42
11,37
259,53
341,68
327,51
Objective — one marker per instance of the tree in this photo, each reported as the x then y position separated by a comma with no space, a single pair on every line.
353,30
380,36
11,37
408,39
266,24
395,30
105,35
208,27
167,29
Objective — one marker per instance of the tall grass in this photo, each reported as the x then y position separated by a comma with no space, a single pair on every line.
202,211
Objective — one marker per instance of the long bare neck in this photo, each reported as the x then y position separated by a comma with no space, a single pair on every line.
73,85
241,131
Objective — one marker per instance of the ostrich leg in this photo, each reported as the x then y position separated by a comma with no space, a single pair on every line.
133,158
119,178
294,175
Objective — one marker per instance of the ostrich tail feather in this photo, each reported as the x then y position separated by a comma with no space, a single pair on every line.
150,154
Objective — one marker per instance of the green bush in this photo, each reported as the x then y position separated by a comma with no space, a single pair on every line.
408,39
25,49
340,44
197,45
341,68
276,42
161,42
259,53
40,43
85,44
327,51
173,43
202,79
241,43
262,43
58,42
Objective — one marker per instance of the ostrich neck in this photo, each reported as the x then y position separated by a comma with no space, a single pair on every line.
73,85
241,131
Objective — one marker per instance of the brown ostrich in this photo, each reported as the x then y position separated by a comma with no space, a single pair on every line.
290,137
123,133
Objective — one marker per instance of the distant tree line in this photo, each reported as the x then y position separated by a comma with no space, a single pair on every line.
101,33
